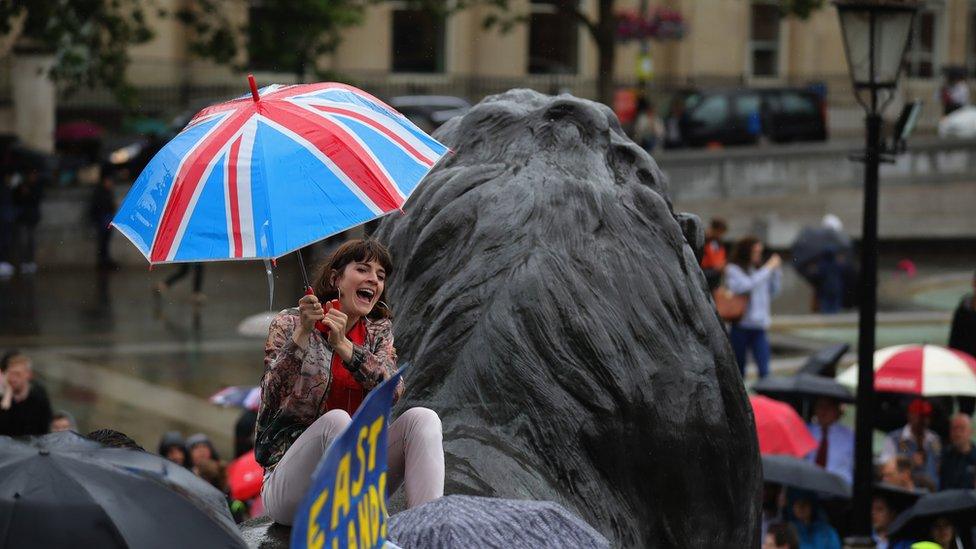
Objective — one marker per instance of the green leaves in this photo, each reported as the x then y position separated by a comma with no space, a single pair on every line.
88,38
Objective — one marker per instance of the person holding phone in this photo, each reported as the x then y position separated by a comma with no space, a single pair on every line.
748,274
321,359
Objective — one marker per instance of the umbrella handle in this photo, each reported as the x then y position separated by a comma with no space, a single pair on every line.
319,325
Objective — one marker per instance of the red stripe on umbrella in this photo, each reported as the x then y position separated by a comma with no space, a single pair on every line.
902,373
780,429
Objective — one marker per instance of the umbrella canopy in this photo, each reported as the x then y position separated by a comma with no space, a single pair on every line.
925,370
267,174
470,521
63,491
780,429
898,498
802,385
825,360
240,396
959,506
245,477
797,473
80,130
813,242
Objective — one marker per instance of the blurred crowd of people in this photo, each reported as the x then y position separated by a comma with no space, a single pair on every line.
914,461
25,410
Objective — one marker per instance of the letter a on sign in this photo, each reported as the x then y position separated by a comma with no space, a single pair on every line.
352,470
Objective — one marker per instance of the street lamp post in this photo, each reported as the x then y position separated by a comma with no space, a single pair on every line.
876,34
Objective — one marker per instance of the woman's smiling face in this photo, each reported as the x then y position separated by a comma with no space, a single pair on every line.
360,285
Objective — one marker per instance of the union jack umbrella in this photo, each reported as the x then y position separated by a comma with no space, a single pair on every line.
924,370
267,174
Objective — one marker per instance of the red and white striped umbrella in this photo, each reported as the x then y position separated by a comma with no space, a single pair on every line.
926,370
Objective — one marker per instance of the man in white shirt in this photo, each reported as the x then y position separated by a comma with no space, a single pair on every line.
835,451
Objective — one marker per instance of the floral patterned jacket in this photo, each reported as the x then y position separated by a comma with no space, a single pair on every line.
297,381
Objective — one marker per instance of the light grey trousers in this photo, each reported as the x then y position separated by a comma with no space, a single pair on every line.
414,456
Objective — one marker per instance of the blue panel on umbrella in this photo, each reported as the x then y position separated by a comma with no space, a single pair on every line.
139,214
310,202
206,233
403,167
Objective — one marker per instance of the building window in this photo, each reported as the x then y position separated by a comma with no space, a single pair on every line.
418,41
971,43
921,59
764,39
553,41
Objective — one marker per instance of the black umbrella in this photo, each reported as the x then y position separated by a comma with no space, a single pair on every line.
796,473
61,490
469,521
802,385
898,498
959,506
814,242
824,362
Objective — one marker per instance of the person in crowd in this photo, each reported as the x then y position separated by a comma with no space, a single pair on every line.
200,448
8,215
114,439
830,277
943,533
713,253
773,502
814,532
314,381
63,421
746,273
101,209
173,447
835,442
958,466
882,515
962,337
215,473
198,296
648,128
897,472
27,201
918,443
673,138
781,535
244,432
24,406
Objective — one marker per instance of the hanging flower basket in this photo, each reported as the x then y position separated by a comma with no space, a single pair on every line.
661,24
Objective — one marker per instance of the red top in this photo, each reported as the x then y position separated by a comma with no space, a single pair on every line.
346,393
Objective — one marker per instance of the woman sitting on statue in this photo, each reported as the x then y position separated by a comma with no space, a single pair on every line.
315,379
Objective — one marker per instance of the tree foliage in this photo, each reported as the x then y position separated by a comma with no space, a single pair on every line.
283,35
89,39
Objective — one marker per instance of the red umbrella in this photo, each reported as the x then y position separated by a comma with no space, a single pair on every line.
245,476
780,429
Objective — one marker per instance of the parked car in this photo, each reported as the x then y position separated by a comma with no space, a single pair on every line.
744,116
428,112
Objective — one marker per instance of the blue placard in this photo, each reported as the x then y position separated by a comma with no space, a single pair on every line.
346,503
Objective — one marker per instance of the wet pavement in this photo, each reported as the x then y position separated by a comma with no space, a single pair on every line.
115,354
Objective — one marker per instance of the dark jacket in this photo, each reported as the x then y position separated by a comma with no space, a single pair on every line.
27,202
962,335
32,416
